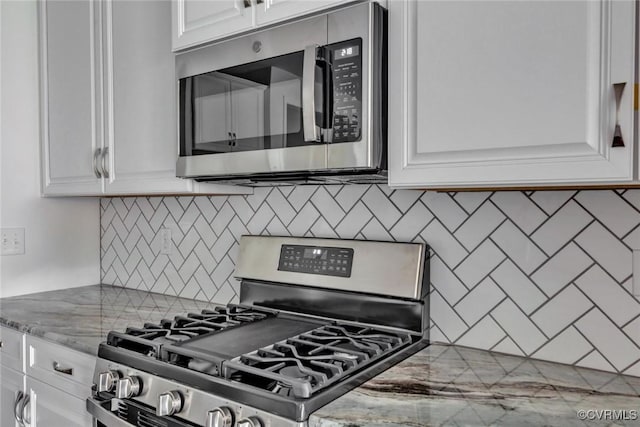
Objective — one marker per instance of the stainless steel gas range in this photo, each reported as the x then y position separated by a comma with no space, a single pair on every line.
316,318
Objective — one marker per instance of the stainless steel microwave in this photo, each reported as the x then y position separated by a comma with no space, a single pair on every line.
303,100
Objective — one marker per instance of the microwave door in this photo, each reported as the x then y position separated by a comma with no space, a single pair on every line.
247,119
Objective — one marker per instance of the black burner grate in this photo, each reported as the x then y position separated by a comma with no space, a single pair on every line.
300,366
150,339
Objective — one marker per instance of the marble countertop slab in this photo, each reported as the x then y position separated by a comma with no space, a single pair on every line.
439,386
81,318
456,386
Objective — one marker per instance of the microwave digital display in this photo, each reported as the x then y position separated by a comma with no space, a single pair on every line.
347,52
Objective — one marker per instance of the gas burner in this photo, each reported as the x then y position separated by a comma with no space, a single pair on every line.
293,372
221,317
151,338
313,360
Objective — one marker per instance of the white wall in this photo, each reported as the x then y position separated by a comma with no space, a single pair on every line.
62,235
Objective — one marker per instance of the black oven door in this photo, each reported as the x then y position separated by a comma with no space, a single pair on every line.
128,413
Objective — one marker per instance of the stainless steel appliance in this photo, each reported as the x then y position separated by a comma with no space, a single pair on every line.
297,101
316,318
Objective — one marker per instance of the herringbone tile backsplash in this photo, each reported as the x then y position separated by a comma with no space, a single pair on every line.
542,274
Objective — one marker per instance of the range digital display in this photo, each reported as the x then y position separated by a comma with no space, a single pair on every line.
315,253
346,52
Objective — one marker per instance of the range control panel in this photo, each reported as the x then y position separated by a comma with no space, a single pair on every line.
326,261
346,60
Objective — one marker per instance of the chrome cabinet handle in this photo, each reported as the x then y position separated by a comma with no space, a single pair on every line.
618,141
309,93
16,412
104,165
95,162
26,410
58,368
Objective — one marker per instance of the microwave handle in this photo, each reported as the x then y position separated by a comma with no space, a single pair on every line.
327,93
309,93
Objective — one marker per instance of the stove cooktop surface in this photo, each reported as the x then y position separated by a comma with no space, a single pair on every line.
291,356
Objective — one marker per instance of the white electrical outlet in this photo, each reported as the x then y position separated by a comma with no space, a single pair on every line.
165,238
12,241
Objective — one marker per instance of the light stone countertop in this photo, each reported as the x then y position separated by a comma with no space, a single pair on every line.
441,385
81,318
456,386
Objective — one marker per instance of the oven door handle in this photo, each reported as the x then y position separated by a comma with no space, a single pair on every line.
309,94
103,415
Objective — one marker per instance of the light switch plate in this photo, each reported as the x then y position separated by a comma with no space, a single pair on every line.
165,238
635,281
12,241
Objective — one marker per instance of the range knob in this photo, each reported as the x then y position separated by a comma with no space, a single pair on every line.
107,380
169,403
250,422
220,417
128,387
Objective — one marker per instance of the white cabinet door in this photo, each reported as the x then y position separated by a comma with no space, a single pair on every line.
199,21
141,107
140,102
50,407
491,93
276,10
12,349
11,387
70,97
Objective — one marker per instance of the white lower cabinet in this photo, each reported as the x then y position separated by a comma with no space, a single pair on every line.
12,376
42,383
11,396
50,407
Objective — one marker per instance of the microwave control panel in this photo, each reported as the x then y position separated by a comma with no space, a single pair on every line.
316,260
346,59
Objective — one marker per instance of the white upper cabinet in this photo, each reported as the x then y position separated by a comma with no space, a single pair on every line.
195,21
200,21
509,93
268,11
141,106
109,100
70,78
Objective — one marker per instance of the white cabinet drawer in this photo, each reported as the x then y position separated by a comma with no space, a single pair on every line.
11,348
61,367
